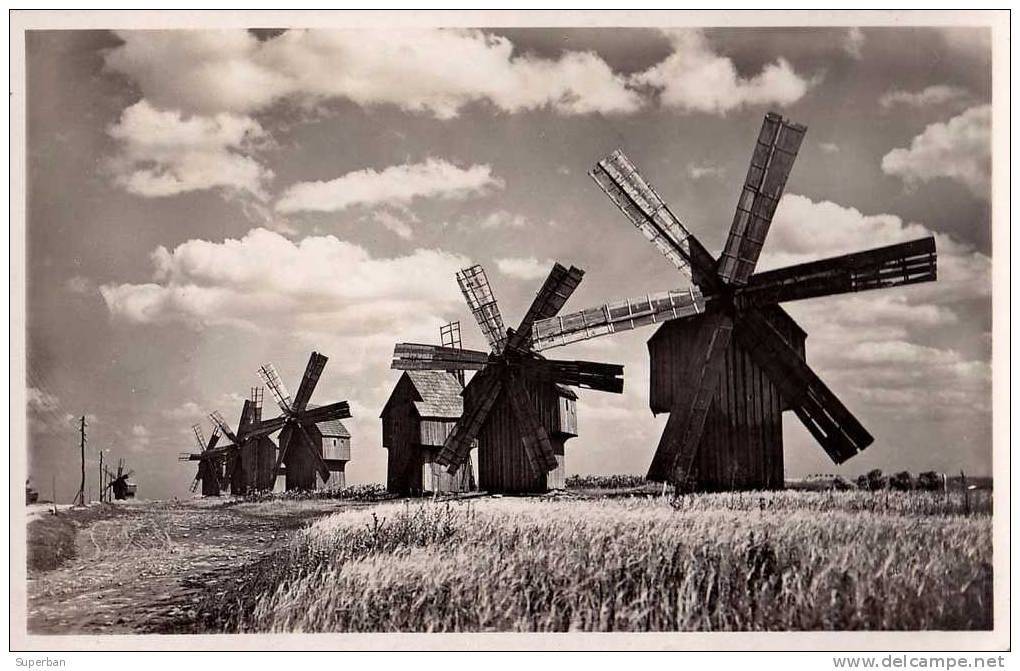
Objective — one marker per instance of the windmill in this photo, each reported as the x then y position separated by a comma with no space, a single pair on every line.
250,458
122,489
210,462
300,440
515,405
730,359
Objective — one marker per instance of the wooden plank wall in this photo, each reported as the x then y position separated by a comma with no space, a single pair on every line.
503,465
742,447
301,470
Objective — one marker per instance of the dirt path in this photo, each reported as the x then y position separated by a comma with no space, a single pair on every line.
143,570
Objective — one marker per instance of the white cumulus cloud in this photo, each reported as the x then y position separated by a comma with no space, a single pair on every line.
695,78
165,153
425,70
524,268
400,184
937,94
959,149
317,288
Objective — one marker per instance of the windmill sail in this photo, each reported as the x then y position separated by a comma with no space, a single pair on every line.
840,434
316,362
771,162
622,315
557,288
475,286
414,356
880,268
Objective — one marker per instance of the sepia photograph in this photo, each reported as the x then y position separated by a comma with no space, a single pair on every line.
521,322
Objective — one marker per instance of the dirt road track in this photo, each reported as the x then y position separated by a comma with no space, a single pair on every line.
143,570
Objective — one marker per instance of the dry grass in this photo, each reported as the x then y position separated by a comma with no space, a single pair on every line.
773,561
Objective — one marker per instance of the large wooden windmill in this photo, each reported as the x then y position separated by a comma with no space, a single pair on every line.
730,359
300,439
515,405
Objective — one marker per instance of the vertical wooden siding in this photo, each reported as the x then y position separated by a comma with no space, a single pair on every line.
742,446
503,465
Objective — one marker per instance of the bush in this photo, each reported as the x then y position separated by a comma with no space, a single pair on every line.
841,484
902,481
873,481
366,492
604,481
929,481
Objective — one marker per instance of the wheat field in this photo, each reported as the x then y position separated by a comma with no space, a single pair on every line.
733,562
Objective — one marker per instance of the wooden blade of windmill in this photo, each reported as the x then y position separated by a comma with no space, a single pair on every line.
416,356
622,315
218,420
681,436
585,374
642,205
485,387
266,427
474,285
244,423
835,428
213,439
771,162
310,445
554,292
879,268
272,379
338,410
534,437
286,435
313,371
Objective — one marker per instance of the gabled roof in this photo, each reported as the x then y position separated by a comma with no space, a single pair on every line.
439,391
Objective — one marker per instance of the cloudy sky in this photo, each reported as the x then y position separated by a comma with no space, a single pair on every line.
201,202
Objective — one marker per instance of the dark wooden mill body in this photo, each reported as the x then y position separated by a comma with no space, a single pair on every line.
211,474
502,466
728,360
120,484
742,444
251,464
516,407
417,419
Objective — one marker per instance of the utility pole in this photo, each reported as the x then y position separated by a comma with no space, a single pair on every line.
100,476
81,490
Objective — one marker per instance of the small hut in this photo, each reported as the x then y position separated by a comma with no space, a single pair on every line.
419,415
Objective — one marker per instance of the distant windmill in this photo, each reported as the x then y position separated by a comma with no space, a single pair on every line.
122,489
300,440
730,360
514,405
210,462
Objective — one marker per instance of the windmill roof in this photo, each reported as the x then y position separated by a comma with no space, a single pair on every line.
331,427
439,392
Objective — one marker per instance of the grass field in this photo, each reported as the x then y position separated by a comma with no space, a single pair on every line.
753,561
